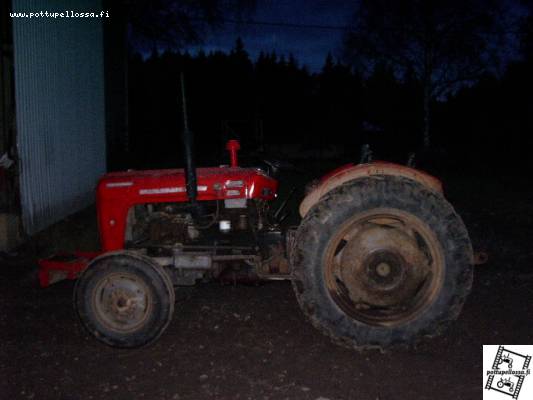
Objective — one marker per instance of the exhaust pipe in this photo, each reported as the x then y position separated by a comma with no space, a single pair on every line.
188,150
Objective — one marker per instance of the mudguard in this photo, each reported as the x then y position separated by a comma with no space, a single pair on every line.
351,172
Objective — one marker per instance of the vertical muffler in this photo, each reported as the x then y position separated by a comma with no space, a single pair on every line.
188,150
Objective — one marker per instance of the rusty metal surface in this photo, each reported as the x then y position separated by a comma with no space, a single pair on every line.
122,302
277,263
352,172
384,267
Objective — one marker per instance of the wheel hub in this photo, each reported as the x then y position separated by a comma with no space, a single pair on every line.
384,270
380,267
122,302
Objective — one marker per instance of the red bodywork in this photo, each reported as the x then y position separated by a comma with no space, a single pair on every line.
117,192
378,164
350,172
63,266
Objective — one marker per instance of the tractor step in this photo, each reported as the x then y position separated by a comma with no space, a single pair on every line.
63,266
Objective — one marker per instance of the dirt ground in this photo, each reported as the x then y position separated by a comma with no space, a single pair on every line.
252,342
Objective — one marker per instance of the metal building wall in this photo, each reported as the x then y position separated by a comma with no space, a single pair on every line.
59,92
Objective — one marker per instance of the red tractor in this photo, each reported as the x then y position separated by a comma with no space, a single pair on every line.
380,257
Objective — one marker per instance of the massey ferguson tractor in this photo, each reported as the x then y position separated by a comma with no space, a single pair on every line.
379,259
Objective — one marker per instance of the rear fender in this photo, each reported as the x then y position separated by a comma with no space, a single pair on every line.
351,172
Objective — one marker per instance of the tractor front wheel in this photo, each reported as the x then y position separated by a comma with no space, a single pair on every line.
381,261
125,300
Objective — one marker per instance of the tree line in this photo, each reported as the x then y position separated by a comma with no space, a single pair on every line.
273,100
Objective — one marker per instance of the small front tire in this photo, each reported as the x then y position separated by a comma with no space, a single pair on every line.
125,300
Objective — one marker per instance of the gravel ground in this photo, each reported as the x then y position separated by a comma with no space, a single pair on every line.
252,342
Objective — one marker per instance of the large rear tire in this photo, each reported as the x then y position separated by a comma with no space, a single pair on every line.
125,300
381,261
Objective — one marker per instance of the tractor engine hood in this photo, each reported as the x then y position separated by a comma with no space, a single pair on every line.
117,192
170,184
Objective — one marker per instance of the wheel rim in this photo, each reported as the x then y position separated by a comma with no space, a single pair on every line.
384,267
122,302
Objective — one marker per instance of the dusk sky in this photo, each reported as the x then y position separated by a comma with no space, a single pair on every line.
309,45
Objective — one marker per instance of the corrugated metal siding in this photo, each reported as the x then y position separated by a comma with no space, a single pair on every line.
59,91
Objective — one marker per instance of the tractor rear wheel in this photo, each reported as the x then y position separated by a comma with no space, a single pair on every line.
125,300
381,261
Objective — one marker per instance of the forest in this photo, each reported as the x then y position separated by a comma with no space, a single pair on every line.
273,103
